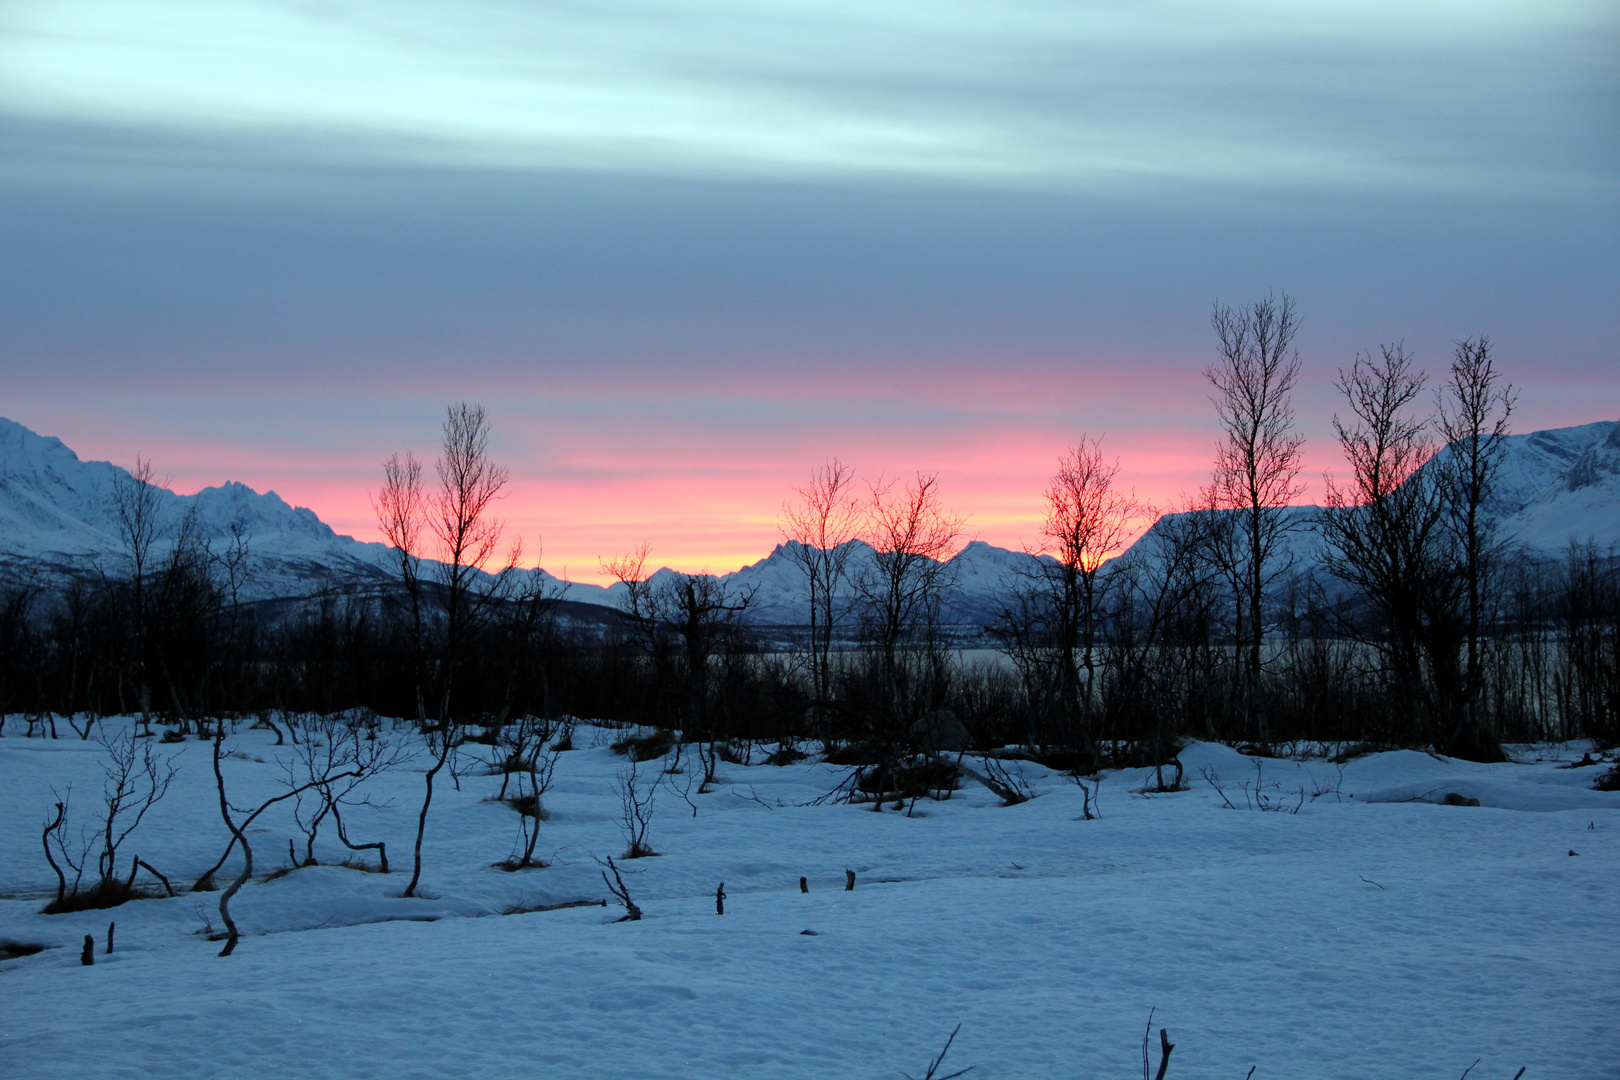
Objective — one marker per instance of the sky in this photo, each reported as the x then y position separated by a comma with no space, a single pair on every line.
685,252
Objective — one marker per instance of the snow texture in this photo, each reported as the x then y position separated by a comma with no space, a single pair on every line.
1374,933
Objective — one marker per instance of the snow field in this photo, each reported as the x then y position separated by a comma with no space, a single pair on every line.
1253,935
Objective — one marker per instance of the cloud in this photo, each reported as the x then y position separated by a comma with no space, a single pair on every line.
1497,98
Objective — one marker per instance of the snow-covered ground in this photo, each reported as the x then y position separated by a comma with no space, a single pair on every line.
1374,933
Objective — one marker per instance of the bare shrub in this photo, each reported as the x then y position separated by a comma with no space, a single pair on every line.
134,778
533,782
933,1072
636,802
344,748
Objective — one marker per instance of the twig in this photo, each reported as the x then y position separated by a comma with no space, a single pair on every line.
933,1066
1165,1046
1470,1069
1209,778
1370,881
1145,1036
150,869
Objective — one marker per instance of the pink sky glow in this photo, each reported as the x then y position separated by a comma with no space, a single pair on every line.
701,474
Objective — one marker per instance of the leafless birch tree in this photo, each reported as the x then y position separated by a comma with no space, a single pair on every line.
902,589
1256,464
819,527
1384,526
703,616
1474,408
458,515
136,506
1088,520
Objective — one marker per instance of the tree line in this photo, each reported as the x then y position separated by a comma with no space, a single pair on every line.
1417,625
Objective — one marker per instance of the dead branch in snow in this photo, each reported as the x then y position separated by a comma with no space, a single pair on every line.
933,1066
1165,1046
632,913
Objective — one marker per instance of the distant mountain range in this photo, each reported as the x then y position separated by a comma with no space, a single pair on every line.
56,519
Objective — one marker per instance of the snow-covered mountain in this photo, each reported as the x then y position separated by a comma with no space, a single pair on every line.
1554,487
981,573
56,516
1562,485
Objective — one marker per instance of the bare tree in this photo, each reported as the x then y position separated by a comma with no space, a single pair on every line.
75,855
1474,409
700,613
134,779
401,516
467,533
1088,520
458,517
1384,529
136,506
1256,462
818,529
526,753
525,622
347,768
1158,612
901,590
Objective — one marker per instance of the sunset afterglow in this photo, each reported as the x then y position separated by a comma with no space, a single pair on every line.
685,253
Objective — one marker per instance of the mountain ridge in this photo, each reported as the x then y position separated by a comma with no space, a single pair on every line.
55,515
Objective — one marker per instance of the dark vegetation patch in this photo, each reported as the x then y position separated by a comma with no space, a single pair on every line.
527,804
922,778
855,753
525,909
646,747
513,864
786,755
102,895
11,950
1351,751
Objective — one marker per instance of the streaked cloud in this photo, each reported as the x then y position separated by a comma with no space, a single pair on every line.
1500,98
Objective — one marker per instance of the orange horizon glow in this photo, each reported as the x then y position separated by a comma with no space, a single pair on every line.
700,513
703,479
